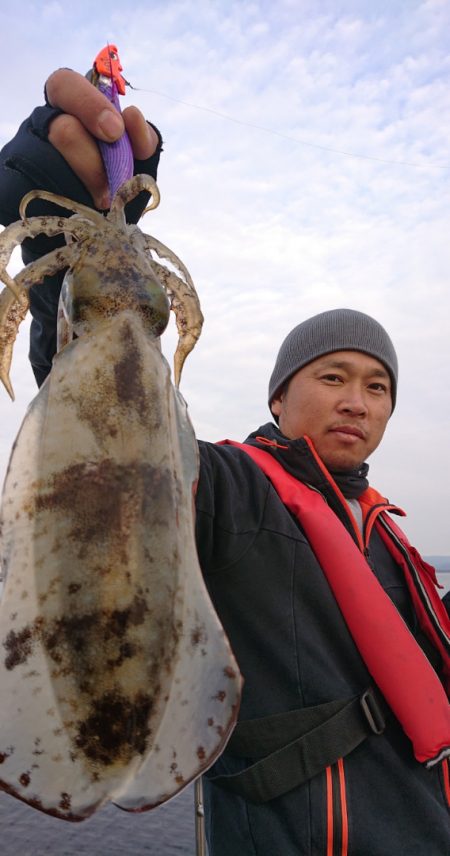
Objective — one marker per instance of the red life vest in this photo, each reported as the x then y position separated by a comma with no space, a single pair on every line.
396,662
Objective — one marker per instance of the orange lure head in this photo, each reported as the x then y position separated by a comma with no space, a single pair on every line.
107,63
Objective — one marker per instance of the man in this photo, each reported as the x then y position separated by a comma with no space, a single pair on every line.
332,391
333,618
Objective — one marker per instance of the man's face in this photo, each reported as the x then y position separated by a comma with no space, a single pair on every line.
342,401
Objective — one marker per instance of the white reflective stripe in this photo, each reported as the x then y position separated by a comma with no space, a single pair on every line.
356,510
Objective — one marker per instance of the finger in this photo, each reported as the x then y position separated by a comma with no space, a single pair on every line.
73,94
79,149
144,140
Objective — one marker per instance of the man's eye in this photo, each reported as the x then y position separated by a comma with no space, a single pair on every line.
378,387
332,377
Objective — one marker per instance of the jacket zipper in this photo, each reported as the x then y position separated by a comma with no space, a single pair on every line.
372,515
337,818
368,524
446,776
345,508
417,583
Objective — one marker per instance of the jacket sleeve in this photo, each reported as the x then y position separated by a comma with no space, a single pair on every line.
29,162
230,502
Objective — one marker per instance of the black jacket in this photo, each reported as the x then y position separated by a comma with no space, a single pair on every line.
294,651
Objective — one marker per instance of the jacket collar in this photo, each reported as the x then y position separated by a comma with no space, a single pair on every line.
299,458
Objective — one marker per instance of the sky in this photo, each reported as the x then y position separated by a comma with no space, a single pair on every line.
305,167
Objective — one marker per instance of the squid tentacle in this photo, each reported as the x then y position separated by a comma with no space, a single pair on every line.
189,319
16,233
63,202
14,309
128,191
12,312
184,300
54,261
164,252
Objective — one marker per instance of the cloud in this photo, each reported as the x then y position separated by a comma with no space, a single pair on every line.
52,11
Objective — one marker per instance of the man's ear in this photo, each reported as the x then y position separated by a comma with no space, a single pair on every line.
275,406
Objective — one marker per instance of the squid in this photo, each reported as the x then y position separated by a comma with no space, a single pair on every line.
117,681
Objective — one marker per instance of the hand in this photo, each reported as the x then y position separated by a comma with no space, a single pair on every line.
88,115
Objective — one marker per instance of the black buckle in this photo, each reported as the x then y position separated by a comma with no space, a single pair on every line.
373,712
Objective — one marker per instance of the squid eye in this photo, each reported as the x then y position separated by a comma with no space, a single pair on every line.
113,55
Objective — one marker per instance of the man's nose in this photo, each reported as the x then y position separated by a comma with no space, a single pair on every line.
353,401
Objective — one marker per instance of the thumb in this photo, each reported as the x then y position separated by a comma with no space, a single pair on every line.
73,94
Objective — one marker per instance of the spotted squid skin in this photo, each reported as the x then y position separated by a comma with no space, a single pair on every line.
107,279
118,683
106,623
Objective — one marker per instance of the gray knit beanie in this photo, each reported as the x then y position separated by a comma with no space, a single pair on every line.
336,330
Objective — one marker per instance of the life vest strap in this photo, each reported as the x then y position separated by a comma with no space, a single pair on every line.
293,747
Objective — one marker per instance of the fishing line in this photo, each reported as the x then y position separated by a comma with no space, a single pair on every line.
287,136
